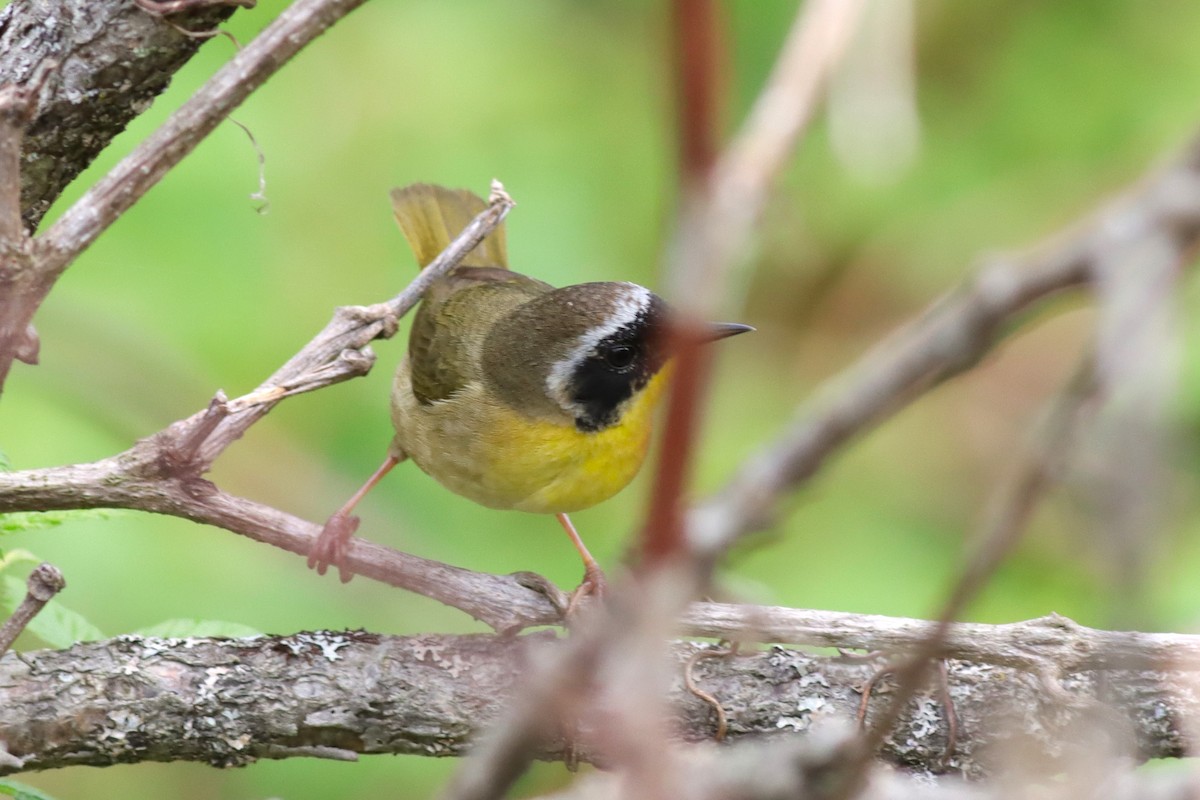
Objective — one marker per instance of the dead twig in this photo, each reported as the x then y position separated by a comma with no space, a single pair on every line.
53,251
44,582
947,339
689,681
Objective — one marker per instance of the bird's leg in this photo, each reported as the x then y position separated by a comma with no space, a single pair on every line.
331,544
594,582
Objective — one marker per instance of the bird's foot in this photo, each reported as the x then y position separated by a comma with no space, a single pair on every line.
593,587
332,544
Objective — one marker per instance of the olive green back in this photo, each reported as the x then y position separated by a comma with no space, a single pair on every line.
455,317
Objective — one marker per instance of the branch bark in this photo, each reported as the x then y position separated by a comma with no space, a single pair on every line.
112,60
335,695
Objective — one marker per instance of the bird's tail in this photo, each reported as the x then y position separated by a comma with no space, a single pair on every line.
431,216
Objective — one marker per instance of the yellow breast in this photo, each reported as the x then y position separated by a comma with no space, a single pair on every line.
503,459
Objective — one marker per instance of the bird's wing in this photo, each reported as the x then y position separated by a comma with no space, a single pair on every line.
447,336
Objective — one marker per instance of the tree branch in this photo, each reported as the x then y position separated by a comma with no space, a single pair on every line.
947,339
52,252
162,473
110,197
111,59
229,702
1051,642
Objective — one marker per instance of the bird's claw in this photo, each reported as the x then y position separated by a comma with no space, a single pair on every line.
594,586
332,544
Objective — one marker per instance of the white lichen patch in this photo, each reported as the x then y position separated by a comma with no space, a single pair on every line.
456,666
927,720
208,688
431,650
814,679
120,725
808,710
326,642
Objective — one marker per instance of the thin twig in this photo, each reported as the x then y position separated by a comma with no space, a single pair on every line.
44,582
717,219
130,179
162,473
948,338
53,251
689,681
1148,247
1030,646
340,351
1053,444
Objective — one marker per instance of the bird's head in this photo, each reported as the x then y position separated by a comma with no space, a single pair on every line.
581,352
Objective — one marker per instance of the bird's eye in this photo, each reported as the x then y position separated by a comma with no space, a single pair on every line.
619,357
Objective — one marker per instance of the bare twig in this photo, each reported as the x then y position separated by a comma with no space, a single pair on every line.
1123,465
1053,445
689,681
1142,245
340,351
717,218
947,339
104,202
162,473
713,231
129,180
1052,641
44,582
716,221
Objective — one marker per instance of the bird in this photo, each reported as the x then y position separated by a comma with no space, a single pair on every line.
513,393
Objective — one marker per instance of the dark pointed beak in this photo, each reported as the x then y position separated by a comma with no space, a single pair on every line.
723,330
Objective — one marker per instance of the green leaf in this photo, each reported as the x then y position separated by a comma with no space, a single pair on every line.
193,628
17,521
17,556
22,791
56,625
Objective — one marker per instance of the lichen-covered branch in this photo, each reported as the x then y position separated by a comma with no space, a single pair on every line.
227,702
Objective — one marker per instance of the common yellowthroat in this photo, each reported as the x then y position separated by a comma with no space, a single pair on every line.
515,394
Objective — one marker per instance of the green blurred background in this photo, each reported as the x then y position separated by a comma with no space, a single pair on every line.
1030,113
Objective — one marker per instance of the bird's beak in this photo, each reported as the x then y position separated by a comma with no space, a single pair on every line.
723,330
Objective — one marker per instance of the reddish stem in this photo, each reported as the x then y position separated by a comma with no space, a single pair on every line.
699,62
662,538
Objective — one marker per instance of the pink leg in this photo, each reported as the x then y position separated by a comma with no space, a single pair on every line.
594,582
332,543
